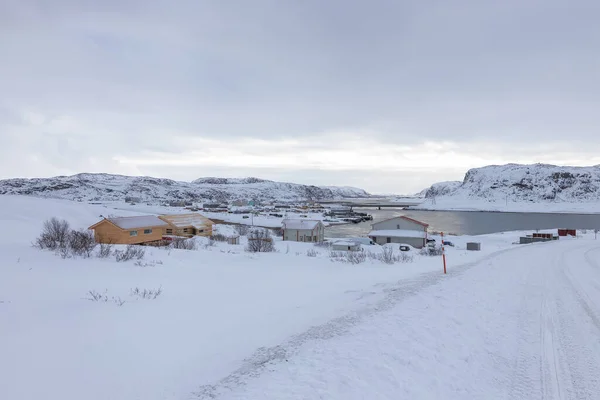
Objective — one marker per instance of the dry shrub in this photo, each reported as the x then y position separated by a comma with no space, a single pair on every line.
130,253
183,244
260,241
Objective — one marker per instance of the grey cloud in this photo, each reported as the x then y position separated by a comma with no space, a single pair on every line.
143,75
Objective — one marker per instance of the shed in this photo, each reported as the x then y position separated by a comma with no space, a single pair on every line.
192,224
345,245
129,230
476,246
303,230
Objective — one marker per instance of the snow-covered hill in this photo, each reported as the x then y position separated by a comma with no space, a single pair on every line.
518,183
107,187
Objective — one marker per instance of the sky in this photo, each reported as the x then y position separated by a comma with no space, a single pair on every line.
387,95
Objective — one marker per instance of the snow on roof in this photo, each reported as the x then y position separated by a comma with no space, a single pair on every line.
300,224
399,233
142,221
196,220
403,217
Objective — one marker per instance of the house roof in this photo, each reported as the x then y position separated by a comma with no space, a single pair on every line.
398,233
184,220
142,221
300,224
404,217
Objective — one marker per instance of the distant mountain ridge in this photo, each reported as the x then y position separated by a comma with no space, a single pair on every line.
109,187
519,182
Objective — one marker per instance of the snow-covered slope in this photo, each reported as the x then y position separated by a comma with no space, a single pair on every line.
106,187
518,183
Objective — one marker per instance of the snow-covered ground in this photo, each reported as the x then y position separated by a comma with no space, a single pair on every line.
472,204
230,324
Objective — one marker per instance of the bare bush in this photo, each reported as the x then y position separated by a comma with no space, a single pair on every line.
183,244
149,294
143,264
97,296
54,234
81,243
311,253
242,230
388,256
105,250
323,244
260,241
278,232
217,237
130,253
351,257
431,251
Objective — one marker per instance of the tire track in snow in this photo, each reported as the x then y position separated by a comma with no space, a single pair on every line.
263,357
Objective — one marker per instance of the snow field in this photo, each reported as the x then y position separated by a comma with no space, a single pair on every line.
221,312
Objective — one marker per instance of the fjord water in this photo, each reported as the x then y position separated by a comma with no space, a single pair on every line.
471,222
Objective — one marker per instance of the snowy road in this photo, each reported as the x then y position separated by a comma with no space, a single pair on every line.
522,324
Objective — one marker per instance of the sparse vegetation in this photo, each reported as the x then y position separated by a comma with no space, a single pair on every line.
351,257
130,253
431,251
54,234
388,256
260,241
183,244
217,237
242,230
58,236
105,251
149,294
311,253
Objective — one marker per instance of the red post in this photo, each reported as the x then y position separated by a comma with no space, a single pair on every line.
443,252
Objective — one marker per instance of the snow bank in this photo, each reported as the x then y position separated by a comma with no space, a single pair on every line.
218,307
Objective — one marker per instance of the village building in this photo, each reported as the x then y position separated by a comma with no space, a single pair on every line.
303,230
129,230
400,230
188,225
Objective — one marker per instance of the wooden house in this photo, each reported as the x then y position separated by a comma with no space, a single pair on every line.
129,230
187,225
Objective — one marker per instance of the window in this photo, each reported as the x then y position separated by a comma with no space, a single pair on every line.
147,231
398,226
169,231
132,233
185,230
389,240
200,230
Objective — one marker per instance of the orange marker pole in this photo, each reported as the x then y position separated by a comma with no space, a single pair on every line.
443,252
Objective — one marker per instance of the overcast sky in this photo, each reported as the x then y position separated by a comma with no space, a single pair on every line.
387,95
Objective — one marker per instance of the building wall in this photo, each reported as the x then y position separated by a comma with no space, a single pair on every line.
398,223
108,233
414,242
298,235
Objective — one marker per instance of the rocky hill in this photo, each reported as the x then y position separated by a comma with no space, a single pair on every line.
516,182
107,187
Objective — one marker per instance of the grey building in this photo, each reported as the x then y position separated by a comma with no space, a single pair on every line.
302,230
400,230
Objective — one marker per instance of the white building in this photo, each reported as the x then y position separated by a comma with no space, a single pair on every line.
400,230
303,230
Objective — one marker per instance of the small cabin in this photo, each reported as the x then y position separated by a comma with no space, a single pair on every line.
303,230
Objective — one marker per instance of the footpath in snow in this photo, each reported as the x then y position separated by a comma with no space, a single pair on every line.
521,324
